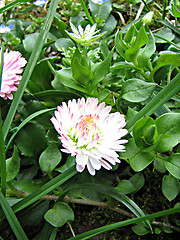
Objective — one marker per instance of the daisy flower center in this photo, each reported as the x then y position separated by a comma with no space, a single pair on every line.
86,130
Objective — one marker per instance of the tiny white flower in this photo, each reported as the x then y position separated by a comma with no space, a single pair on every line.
5,29
91,133
85,36
40,2
99,1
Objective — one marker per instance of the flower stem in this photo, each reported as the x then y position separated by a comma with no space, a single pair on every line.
2,160
86,11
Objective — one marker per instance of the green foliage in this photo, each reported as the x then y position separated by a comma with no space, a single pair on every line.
133,68
59,214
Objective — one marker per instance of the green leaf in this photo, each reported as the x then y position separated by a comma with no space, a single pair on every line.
138,160
175,11
101,70
62,43
12,219
145,132
169,59
140,230
136,90
109,25
169,125
125,186
31,140
30,41
50,158
69,163
145,53
102,10
130,34
170,187
138,181
81,68
65,77
141,40
12,165
159,166
59,214
172,164
165,33
41,75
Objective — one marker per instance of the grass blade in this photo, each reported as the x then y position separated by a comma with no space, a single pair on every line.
110,191
11,5
2,159
30,66
45,189
12,219
97,231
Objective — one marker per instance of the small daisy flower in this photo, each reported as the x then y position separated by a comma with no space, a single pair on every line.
5,29
98,1
40,3
12,67
91,133
85,36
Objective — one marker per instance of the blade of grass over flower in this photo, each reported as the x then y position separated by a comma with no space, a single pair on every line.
1,65
12,219
29,118
45,189
86,11
30,66
2,159
162,97
112,192
11,5
110,227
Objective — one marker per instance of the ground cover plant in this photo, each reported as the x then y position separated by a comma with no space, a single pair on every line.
89,119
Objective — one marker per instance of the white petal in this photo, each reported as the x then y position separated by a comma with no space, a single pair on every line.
81,159
90,168
80,168
95,163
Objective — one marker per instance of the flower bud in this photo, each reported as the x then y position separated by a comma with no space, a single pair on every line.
147,18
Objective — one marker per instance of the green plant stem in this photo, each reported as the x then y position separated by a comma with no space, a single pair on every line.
30,66
162,97
2,159
86,11
148,8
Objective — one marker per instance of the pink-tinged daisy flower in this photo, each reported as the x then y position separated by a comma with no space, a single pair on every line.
91,133
12,67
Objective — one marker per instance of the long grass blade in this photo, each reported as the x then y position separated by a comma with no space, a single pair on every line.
110,227
2,159
12,219
11,5
45,189
162,97
112,192
30,66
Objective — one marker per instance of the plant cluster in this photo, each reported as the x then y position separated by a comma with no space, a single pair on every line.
97,105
